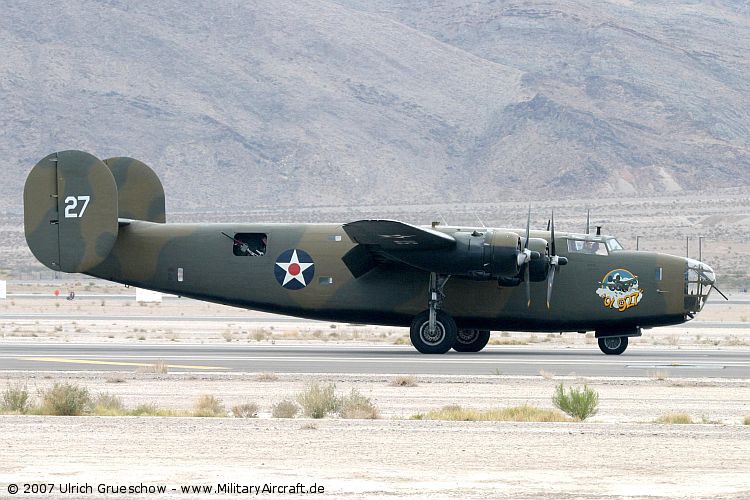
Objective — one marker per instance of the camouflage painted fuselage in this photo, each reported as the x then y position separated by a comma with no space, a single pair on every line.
196,260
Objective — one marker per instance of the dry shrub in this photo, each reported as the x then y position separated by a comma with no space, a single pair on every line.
108,405
246,410
267,377
209,405
524,413
65,399
158,367
675,418
404,381
578,403
15,399
115,380
746,421
358,406
285,409
318,401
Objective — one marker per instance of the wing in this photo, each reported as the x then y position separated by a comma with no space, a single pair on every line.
394,235
378,238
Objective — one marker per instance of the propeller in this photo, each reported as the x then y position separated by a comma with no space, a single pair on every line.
588,221
554,260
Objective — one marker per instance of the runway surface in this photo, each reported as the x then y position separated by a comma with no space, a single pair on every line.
677,363
265,318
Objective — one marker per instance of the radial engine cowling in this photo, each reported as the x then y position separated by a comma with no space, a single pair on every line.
480,255
539,268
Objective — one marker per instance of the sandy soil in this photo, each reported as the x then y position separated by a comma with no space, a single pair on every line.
618,453
358,459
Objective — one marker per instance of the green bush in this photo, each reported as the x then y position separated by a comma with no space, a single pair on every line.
318,401
355,405
284,409
15,399
578,403
66,399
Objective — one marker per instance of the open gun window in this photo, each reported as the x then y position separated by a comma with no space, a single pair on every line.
248,244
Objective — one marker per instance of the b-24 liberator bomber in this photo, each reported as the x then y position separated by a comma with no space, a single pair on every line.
451,285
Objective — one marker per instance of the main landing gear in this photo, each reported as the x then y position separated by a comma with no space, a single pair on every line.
434,331
471,340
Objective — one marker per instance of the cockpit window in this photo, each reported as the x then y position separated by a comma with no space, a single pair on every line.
249,244
614,245
587,246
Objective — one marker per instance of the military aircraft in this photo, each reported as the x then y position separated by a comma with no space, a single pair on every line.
450,285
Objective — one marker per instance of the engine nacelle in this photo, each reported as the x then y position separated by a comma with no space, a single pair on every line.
489,254
539,268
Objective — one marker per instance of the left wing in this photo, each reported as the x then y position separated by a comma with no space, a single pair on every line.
395,235
378,238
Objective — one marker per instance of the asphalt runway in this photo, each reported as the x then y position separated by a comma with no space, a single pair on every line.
677,363
266,318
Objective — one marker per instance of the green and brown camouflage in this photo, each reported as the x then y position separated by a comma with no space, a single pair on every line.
139,192
305,270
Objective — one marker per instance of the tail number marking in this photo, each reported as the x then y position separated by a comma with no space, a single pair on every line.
71,206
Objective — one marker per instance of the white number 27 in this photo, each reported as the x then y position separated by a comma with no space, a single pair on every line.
71,204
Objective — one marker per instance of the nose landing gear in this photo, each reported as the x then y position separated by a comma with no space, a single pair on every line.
613,345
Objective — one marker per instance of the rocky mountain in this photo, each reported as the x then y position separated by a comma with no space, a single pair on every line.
373,102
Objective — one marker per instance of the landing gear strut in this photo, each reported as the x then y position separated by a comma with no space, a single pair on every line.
434,331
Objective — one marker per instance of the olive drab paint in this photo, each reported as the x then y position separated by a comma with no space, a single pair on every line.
318,271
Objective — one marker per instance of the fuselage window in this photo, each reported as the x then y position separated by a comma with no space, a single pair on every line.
587,246
249,244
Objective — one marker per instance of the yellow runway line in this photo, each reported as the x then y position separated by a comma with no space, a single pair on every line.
118,363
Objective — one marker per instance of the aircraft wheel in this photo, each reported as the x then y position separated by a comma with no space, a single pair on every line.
471,340
613,345
438,343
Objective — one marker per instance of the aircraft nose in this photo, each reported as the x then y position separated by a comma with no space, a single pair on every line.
699,281
699,272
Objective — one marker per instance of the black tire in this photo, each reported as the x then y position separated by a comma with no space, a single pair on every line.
444,339
471,340
613,345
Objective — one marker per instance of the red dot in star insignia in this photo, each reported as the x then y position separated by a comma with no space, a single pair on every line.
294,269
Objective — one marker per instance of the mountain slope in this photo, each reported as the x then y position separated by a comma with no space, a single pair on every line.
290,103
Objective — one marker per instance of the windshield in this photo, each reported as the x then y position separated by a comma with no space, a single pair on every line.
613,245
586,246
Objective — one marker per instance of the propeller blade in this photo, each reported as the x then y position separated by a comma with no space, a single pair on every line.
552,233
550,281
721,293
528,286
588,221
528,229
